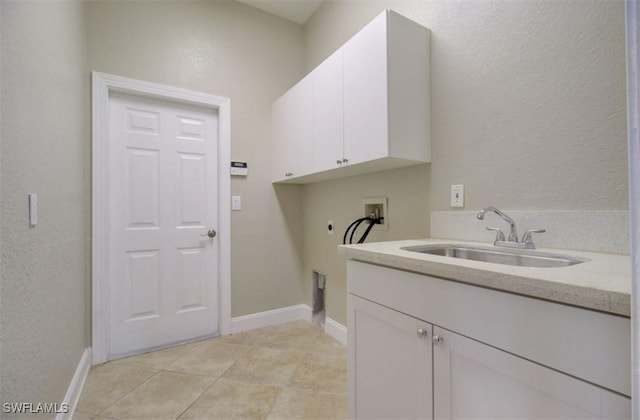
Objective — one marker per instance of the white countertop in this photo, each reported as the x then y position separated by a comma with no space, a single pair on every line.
602,284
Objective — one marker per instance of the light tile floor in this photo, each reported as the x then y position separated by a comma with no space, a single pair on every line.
289,371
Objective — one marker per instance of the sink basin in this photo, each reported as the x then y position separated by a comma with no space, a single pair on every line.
496,255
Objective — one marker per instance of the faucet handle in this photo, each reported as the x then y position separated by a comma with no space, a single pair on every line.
499,233
526,238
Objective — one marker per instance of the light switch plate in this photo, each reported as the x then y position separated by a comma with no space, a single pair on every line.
457,196
236,203
33,209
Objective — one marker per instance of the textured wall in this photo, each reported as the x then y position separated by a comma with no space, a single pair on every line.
229,49
43,271
341,201
528,111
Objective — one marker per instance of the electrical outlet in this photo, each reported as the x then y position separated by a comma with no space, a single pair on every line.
457,196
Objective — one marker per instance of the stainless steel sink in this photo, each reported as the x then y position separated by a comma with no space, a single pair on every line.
517,257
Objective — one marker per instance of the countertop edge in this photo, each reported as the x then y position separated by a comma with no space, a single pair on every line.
389,255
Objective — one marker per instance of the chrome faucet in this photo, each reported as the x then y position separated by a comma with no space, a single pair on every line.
513,235
512,241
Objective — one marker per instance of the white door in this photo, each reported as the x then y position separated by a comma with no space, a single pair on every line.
163,267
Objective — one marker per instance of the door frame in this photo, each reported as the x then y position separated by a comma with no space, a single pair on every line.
632,12
102,86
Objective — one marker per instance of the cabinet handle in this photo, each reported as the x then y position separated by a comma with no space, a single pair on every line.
288,174
437,339
339,162
422,332
345,160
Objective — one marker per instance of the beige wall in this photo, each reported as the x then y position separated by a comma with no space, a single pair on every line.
229,49
341,201
42,149
528,112
528,102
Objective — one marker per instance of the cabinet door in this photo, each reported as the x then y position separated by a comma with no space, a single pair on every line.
365,93
389,365
328,114
291,132
301,120
279,137
475,381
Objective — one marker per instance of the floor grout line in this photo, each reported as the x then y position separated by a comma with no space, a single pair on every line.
127,393
199,396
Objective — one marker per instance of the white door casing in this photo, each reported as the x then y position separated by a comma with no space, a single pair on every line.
134,236
632,11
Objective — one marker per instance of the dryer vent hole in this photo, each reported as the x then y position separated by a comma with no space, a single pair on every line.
318,312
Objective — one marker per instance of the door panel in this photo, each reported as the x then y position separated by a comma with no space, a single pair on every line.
142,275
142,191
191,182
191,269
163,191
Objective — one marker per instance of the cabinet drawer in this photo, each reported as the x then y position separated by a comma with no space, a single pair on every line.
590,345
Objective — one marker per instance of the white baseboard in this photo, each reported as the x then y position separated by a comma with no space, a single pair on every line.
76,385
336,330
288,314
269,318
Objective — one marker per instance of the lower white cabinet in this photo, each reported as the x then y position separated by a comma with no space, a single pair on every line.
389,363
422,347
475,381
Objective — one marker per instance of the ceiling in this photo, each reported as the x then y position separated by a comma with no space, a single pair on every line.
298,11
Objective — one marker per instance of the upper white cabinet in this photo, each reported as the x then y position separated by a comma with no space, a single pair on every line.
328,120
369,105
291,127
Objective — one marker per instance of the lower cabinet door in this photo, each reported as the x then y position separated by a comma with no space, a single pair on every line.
389,365
476,381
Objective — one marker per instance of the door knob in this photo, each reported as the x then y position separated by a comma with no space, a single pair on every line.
212,234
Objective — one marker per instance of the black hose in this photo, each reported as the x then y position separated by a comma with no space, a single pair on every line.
366,232
355,225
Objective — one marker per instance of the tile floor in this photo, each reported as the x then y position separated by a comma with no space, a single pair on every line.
289,371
